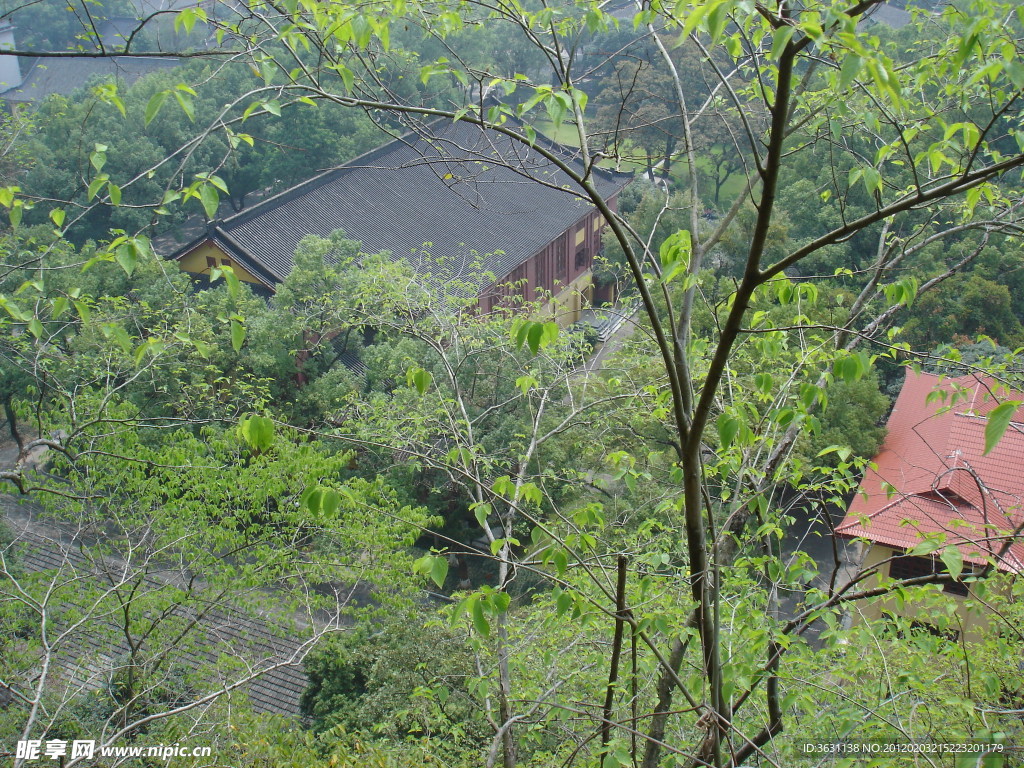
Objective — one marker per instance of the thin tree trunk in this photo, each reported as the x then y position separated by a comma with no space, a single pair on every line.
12,423
666,166
613,670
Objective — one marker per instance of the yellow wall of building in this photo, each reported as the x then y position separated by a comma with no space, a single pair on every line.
567,306
196,262
976,623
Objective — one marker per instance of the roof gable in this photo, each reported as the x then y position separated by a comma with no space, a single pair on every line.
933,476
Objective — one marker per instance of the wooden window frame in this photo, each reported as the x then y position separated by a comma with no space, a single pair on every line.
914,566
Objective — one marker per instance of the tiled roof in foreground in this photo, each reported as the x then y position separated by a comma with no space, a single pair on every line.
453,200
227,642
932,475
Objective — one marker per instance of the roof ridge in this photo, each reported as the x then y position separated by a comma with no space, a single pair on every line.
324,177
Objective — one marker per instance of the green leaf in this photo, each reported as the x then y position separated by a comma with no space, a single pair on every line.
96,185
311,499
83,310
153,106
185,102
526,383
127,255
480,623
436,566
258,433
420,379
563,603
556,107
348,79
232,281
872,180
561,562
998,420
926,547
728,427
98,158
954,560
849,70
501,601
330,499
210,199
693,20
781,38
675,254
534,336
237,335
717,21
439,571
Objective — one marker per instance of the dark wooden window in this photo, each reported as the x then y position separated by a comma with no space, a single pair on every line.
211,261
581,257
560,265
543,280
519,284
912,567
907,567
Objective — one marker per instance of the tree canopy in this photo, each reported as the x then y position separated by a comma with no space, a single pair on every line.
605,539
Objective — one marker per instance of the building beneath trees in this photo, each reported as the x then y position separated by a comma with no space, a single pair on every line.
473,212
932,486
36,80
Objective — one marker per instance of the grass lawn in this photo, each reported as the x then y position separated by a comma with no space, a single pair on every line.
733,185
566,134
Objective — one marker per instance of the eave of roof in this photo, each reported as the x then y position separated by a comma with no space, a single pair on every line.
232,250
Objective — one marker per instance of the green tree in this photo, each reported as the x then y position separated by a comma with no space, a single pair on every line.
662,636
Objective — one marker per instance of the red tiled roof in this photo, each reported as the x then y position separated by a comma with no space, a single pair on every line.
932,475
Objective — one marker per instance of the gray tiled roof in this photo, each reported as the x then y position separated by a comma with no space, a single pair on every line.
90,653
66,75
451,188
896,18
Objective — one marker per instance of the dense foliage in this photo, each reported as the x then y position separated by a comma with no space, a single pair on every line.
484,543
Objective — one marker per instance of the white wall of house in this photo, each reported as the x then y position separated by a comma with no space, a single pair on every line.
10,67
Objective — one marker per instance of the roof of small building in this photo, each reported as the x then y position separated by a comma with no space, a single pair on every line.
890,16
454,200
932,475
64,76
